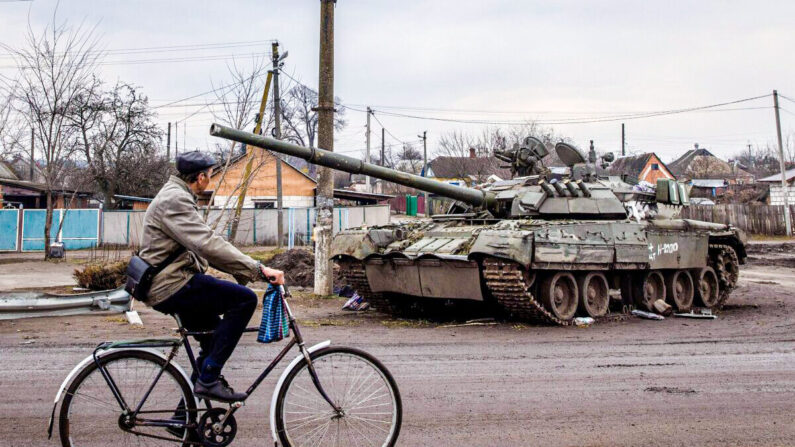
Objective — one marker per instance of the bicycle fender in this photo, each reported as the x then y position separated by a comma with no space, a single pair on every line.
280,383
90,359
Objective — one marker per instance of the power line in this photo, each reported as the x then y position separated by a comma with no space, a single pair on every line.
162,49
580,120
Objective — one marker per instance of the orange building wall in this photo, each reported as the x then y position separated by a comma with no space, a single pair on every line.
650,175
263,183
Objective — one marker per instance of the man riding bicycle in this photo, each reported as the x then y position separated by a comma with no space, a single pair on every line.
172,224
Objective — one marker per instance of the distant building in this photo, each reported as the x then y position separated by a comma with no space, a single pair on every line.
776,196
132,202
30,195
642,167
467,171
699,163
298,189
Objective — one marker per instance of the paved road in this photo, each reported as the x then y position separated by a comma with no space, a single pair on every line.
677,382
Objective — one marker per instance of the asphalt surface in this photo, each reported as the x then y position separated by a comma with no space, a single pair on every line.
723,382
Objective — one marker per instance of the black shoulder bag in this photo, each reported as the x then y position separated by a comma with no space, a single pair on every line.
140,274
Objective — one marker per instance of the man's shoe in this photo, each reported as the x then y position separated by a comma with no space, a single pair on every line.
219,391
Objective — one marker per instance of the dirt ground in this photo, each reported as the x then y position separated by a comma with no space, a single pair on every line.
724,382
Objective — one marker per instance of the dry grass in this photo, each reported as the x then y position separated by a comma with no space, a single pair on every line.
101,276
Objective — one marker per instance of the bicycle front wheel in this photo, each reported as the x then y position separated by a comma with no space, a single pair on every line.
355,381
91,415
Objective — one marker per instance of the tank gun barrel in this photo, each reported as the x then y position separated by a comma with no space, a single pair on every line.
344,163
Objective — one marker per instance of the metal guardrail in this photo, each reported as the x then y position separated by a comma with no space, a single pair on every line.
16,305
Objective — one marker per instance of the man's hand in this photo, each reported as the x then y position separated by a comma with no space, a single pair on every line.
273,276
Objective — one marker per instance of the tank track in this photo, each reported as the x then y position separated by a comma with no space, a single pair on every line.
505,280
718,255
354,274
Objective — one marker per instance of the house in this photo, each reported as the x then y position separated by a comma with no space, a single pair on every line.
776,196
134,203
298,189
467,171
699,163
642,167
32,195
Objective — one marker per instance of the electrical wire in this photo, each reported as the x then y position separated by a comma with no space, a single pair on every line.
579,120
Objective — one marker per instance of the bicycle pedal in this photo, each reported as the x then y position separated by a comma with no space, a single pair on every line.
236,404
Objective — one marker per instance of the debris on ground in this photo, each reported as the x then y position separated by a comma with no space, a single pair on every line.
663,308
583,321
356,302
345,291
133,318
101,276
647,315
705,314
475,322
298,266
670,390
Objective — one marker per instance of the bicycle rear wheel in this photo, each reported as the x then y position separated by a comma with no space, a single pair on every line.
91,416
355,381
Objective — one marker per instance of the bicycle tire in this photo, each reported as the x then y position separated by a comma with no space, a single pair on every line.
90,371
318,361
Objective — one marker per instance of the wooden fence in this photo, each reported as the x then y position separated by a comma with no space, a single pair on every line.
753,218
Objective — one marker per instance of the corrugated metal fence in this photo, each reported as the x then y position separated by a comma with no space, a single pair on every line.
752,218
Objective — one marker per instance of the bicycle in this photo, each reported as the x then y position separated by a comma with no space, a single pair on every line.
130,391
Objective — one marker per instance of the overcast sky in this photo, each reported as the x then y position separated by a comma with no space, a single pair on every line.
472,60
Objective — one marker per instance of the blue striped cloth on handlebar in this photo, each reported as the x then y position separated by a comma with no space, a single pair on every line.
274,326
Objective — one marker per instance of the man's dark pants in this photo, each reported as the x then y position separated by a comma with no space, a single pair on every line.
199,305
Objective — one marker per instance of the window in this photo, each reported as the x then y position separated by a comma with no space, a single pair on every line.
269,205
655,167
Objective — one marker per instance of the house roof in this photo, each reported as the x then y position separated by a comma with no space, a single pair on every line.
457,167
40,187
133,198
6,172
721,169
776,178
632,166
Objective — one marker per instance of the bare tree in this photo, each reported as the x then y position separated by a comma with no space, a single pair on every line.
114,129
55,68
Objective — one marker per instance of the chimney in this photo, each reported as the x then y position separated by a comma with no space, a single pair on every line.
471,152
696,145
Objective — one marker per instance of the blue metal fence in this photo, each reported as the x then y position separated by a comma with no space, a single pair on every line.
9,230
80,228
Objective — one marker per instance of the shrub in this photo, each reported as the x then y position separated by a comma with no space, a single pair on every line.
101,276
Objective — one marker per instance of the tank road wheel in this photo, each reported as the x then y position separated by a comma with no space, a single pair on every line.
707,288
594,294
679,289
559,295
649,289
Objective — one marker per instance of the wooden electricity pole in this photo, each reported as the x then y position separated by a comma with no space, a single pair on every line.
277,133
325,140
168,143
367,154
424,137
783,166
623,141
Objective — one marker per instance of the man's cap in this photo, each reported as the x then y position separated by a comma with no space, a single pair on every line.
194,161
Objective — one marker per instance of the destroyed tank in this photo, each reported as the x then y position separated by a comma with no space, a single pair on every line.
543,248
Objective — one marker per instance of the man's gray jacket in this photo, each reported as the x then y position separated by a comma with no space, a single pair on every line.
172,220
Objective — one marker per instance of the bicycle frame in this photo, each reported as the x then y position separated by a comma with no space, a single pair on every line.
131,414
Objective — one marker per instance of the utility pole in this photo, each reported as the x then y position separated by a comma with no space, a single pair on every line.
367,154
325,140
623,141
176,139
277,133
32,151
424,137
168,143
783,165
383,163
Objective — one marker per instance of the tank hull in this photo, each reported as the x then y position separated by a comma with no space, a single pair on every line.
507,262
